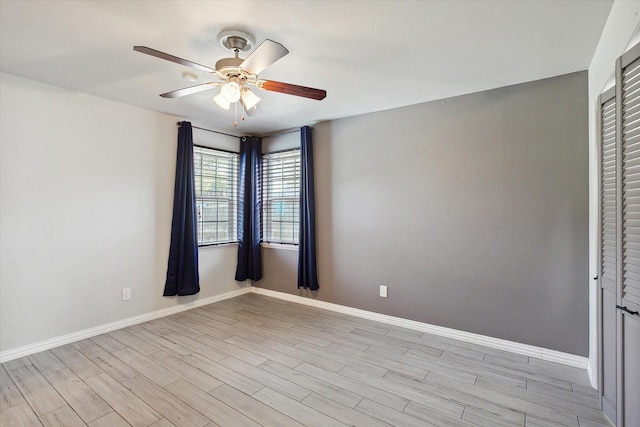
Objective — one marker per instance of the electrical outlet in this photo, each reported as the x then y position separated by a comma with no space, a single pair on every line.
126,294
383,291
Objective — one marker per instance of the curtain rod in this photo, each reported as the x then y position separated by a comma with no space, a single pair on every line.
284,132
210,130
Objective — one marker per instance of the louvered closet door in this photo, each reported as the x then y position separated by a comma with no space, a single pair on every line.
628,131
608,248
630,101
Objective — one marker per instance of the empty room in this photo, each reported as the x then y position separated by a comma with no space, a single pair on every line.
320,213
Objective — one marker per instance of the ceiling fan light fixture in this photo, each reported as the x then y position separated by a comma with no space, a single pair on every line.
249,99
222,101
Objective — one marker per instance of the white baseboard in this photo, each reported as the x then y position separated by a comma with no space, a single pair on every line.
496,343
592,377
92,332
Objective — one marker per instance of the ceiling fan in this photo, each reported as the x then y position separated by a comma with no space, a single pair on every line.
236,74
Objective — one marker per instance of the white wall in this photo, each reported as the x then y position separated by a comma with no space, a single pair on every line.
619,34
86,193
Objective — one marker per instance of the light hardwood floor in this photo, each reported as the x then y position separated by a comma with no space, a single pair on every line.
254,360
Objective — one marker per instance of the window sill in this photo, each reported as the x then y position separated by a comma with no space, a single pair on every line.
283,246
217,245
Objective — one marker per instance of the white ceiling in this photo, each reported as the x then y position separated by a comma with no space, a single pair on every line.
368,55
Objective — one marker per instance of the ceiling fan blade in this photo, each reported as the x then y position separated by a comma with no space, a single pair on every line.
291,89
166,56
264,55
190,90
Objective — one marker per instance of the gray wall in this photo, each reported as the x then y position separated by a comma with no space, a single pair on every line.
473,210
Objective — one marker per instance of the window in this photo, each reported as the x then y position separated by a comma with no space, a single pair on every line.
216,180
280,196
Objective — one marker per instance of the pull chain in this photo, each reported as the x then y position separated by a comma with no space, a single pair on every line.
235,114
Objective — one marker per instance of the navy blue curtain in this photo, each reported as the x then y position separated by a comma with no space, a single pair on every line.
307,270
182,269
249,209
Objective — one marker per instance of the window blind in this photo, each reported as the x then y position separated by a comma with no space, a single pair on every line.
629,134
216,182
281,196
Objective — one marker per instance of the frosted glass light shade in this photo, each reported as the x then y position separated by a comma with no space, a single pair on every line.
231,91
222,101
249,99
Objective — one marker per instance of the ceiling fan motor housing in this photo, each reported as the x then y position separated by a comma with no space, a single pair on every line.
229,66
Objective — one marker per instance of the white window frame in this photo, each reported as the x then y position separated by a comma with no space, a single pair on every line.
281,197
217,170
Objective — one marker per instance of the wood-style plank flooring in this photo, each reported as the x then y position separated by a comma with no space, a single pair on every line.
258,361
